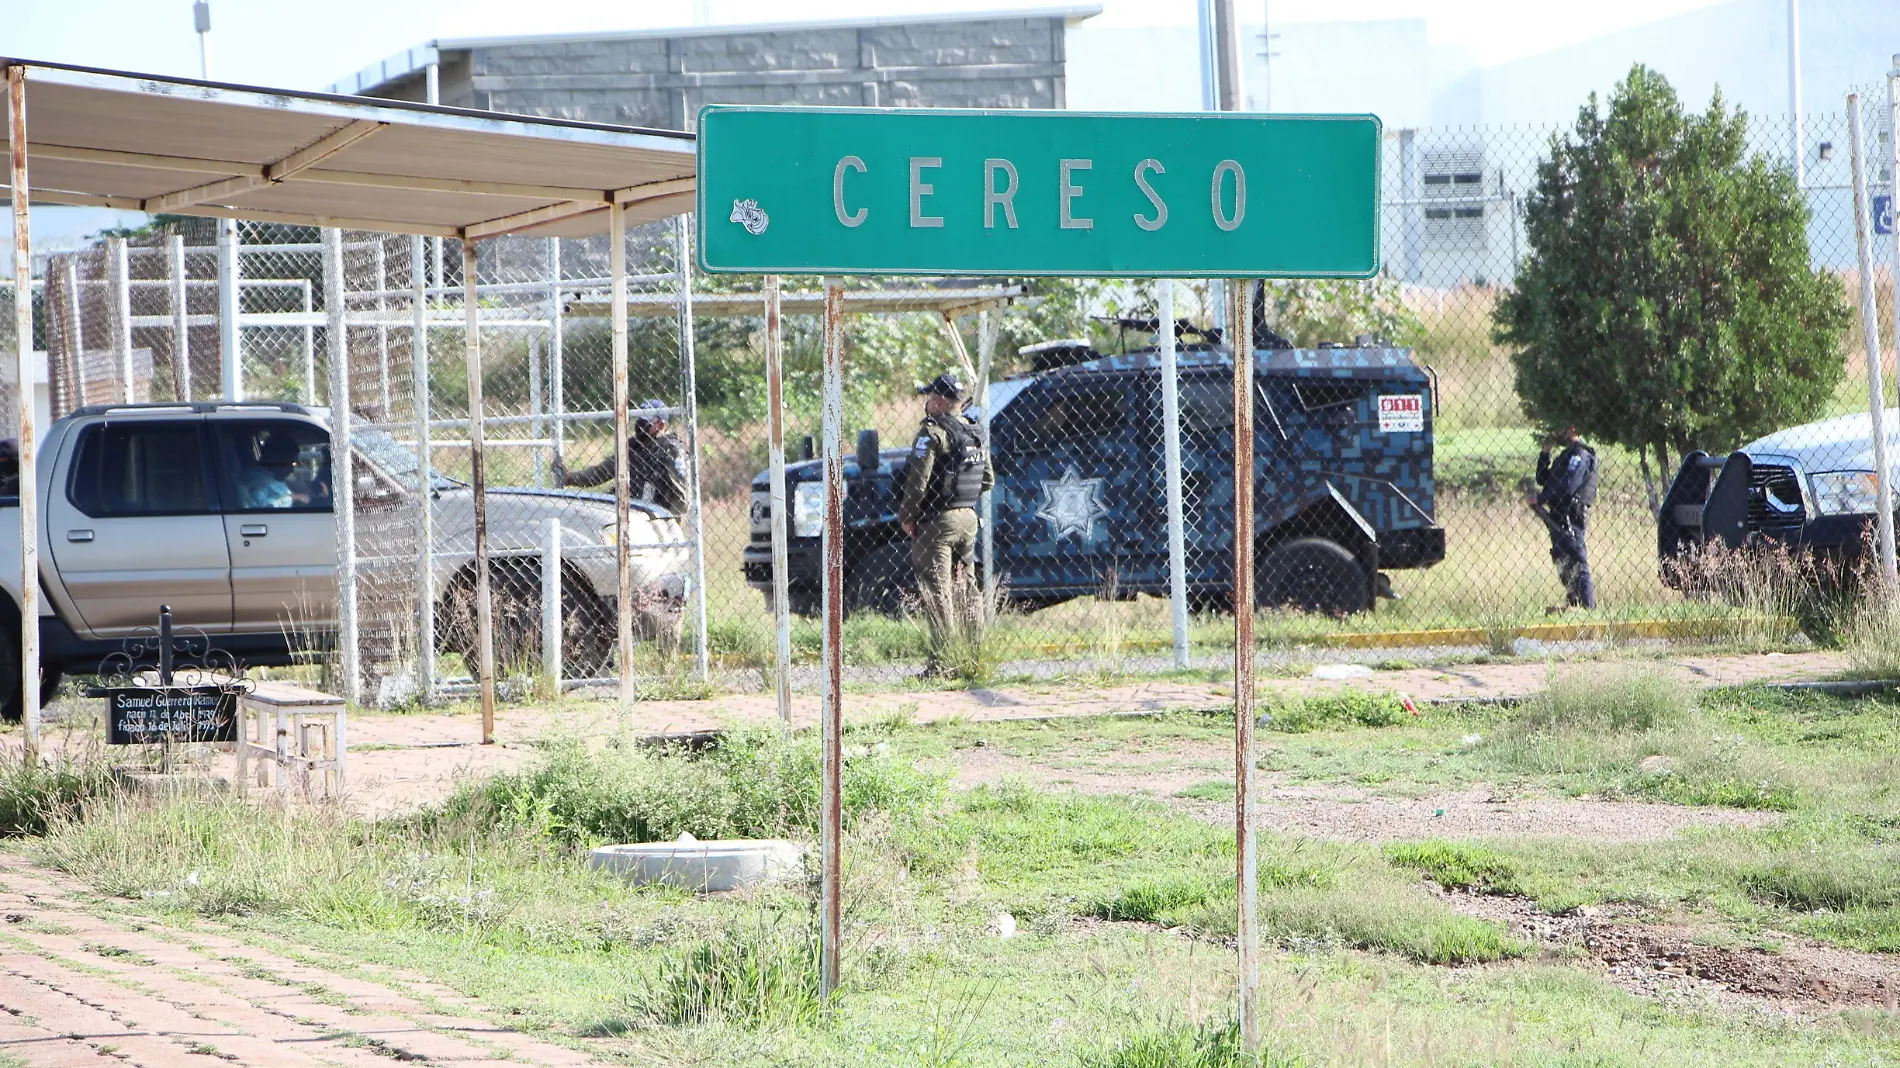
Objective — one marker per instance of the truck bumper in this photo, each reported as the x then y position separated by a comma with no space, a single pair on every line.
1419,547
804,565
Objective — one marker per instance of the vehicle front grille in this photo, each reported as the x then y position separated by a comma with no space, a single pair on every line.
1774,500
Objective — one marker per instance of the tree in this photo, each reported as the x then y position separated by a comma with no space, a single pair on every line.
1667,302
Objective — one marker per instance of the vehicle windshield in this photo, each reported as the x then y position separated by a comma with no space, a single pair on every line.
396,460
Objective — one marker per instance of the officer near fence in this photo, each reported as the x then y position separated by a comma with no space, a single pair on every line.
656,464
1568,490
949,470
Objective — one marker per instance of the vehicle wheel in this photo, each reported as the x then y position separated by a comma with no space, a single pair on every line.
1312,575
882,582
515,606
588,628
11,710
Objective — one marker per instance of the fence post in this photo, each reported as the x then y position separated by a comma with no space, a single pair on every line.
623,490
343,478
121,267
231,373
702,655
1239,330
310,346
1171,461
181,321
478,477
775,462
551,629
29,511
425,519
557,406
830,824
1870,339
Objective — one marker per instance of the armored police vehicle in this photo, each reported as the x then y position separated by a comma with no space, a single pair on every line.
1343,483
1807,489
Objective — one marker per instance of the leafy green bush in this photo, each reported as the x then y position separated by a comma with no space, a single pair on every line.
1458,865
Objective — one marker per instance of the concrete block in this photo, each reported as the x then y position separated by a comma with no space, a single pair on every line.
703,867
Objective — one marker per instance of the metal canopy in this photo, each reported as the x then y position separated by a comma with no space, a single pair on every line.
949,302
109,139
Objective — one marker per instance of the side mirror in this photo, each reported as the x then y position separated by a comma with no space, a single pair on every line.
868,459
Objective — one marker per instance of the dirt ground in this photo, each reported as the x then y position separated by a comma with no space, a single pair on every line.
398,762
81,986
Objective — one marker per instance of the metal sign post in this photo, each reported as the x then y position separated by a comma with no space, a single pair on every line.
1239,331
831,819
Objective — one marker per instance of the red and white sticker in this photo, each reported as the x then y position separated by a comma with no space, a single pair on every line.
1401,413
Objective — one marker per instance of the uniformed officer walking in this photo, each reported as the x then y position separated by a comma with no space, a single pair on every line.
1569,491
949,470
656,465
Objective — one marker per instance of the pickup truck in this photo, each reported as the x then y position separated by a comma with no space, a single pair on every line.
1807,489
223,511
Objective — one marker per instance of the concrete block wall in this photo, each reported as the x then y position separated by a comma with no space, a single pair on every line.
662,81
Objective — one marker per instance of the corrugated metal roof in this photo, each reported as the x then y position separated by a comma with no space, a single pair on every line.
143,143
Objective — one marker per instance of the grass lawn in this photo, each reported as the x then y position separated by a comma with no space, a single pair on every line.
1063,893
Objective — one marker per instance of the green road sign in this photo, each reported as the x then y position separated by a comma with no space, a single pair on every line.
929,191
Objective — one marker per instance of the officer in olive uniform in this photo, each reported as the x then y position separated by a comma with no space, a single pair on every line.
1569,490
949,470
656,465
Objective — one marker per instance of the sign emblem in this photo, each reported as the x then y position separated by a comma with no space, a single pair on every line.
1071,505
748,214
1401,413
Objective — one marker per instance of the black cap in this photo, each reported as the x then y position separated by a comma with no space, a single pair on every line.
946,384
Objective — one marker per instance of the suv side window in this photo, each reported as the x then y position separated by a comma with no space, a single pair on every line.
272,466
1076,413
140,469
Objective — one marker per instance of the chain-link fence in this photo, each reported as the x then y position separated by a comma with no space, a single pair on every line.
1395,446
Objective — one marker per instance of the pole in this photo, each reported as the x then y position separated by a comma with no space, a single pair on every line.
985,359
122,314
343,478
1171,466
551,630
831,823
231,378
1796,148
1870,339
1210,80
432,83
775,462
1239,329
556,315
425,496
478,478
702,655
29,510
1893,190
310,350
382,331
75,392
181,322
623,491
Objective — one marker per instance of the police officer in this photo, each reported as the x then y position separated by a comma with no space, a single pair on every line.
656,465
949,470
1569,490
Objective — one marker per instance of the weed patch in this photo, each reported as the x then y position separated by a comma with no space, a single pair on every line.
1458,865
1187,1046
755,975
1339,708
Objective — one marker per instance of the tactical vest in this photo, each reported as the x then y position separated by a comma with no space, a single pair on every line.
957,481
1587,493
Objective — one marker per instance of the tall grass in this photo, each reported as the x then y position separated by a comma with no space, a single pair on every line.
1185,1045
758,973
34,796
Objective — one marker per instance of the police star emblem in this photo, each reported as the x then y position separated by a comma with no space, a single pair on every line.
1071,505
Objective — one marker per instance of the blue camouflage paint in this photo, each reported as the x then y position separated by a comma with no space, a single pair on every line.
1079,496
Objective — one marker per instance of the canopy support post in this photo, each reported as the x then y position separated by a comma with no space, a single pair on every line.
231,376
181,321
120,263
29,510
478,477
425,457
343,477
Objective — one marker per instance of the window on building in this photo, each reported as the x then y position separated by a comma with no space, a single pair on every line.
1455,176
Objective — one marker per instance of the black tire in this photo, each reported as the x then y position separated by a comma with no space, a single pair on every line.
882,581
587,623
1312,575
11,708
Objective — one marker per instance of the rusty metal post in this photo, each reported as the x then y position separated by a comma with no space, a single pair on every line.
29,510
623,490
775,463
484,622
1239,332
831,819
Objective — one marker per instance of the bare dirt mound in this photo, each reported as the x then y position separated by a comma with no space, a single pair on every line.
1662,958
